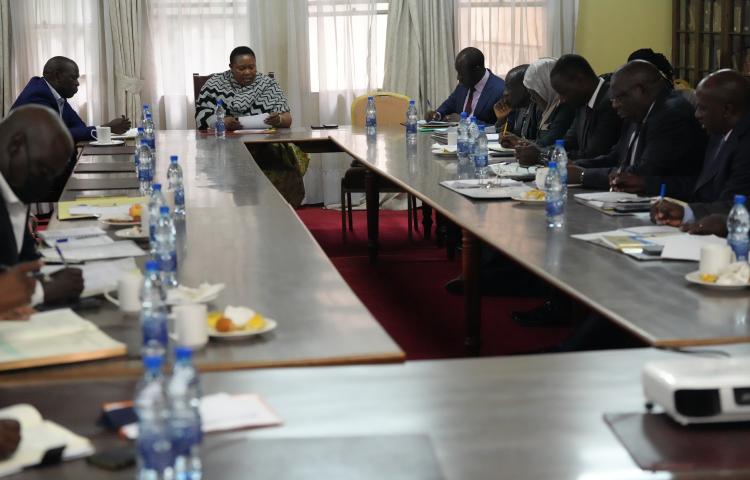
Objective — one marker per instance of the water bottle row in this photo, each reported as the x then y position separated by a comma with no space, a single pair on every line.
169,420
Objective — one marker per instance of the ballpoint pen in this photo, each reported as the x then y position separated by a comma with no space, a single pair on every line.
59,252
662,192
617,174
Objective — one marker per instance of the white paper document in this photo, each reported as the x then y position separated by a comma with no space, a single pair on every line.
470,188
254,121
72,253
101,211
51,236
98,277
685,246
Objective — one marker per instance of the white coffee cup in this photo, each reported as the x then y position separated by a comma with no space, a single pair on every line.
191,325
714,259
541,175
128,291
452,135
102,134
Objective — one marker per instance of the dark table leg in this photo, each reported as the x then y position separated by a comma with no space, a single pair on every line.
440,224
373,206
427,220
472,299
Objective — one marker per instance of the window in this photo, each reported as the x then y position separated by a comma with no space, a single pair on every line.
340,29
508,32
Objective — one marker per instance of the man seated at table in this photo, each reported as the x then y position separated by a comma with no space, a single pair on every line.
596,127
246,92
59,82
34,151
661,136
516,113
724,110
477,92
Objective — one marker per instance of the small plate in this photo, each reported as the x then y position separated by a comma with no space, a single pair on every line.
270,325
132,232
575,185
695,277
112,143
529,201
119,222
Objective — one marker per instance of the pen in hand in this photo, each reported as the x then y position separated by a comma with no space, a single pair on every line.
613,182
59,252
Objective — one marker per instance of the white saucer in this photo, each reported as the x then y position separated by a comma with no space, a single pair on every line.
270,325
695,277
111,143
132,232
529,201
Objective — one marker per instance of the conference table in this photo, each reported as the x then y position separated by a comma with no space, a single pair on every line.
238,231
524,417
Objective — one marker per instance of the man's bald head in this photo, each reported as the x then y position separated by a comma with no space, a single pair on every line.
62,73
35,147
635,86
723,98
470,66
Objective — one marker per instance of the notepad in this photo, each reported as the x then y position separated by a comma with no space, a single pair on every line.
51,236
64,208
39,436
73,253
254,121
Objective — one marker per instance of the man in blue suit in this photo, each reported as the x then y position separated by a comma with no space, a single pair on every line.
58,83
478,90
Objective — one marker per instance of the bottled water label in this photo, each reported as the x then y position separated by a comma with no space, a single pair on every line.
554,207
184,436
168,263
154,332
463,148
179,197
411,128
155,453
144,174
480,161
740,249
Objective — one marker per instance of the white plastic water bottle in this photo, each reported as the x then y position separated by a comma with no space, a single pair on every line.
411,122
553,194
166,248
145,167
481,157
146,112
465,169
138,138
155,202
149,131
184,396
154,445
472,142
175,185
371,122
153,312
220,128
560,156
738,225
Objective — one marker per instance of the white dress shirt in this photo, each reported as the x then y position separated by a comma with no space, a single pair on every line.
59,99
19,214
592,100
478,89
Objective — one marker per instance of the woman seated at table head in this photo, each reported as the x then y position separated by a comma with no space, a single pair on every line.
556,117
244,92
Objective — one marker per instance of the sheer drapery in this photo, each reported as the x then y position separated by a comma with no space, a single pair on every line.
6,95
126,19
419,50
514,32
42,29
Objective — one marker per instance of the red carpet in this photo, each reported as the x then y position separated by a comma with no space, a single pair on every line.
404,290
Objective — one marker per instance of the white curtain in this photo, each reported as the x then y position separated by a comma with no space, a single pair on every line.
127,19
516,32
42,29
419,51
6,96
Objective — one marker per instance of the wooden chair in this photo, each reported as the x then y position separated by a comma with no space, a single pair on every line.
391,108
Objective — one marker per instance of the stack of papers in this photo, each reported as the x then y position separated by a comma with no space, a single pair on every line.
81,237
96,207
77,253
471,188
607,201
99,277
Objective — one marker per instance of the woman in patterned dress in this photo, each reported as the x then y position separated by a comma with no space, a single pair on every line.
247,92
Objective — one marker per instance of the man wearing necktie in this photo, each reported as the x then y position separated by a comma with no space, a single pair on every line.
724,110
661,136
477,92
34,148
597,126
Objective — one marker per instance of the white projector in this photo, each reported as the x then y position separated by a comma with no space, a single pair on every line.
700,389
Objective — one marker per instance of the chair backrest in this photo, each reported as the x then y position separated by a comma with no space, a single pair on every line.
198,82
391,108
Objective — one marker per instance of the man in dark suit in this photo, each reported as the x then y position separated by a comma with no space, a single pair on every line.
516,113
477,92
59,82
661,136
34,148
724,110
596,127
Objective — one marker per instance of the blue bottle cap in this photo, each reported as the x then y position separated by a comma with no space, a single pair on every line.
183,353
464,115
411,102
145,105
739,199
559,142
370,98
173,158
152,265
473,119
552,164
140,129
152,362
164,209
219,102
156,186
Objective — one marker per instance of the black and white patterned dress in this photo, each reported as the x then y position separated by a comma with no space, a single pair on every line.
264,95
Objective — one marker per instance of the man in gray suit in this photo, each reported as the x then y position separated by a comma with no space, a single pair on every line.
724,110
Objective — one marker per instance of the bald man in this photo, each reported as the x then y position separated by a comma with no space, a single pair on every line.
58,83
660,137
477,92
34,151
724,110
